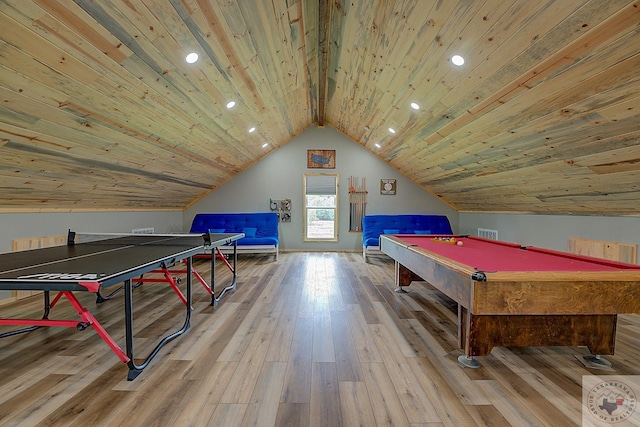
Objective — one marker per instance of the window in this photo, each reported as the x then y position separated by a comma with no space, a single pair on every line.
320,207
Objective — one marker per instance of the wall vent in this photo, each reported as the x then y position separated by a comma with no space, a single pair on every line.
488,234
148,230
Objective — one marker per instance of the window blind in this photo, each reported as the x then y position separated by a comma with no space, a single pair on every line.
321,185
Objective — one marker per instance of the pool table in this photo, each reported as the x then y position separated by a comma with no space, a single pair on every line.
515,296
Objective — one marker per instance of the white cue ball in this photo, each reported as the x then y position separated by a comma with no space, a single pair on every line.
459,243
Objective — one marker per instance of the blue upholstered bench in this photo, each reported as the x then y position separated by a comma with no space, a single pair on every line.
375,225
260,230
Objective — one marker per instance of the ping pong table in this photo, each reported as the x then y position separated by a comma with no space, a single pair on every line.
103,261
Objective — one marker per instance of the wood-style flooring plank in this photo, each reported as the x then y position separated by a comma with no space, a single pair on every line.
293,414
201,400
346,355
324,405
362,336
413,398
265,399
227,414
297,385
385,402
448,405
355,404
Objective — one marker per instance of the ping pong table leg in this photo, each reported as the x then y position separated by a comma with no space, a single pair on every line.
90,320
102,298
204,284
209,288
169,279
224,259
232,287
135,369
87,319
45,316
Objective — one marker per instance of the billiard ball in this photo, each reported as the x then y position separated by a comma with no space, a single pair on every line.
459,243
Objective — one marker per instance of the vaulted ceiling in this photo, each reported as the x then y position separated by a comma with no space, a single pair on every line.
99,109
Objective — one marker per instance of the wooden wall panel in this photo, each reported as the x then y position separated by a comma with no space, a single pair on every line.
614,251
35,243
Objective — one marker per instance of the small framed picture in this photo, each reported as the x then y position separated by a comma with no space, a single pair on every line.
321,159
388,186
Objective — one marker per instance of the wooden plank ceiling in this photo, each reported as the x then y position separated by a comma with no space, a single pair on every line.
100,110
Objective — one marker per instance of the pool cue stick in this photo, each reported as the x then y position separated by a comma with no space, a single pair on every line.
357,212
359,205
351,204
364,187
364,198
358,224
358,209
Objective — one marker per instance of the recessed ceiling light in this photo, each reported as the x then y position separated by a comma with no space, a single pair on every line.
377,145
367,128
265,145
191,58
392,130
457,60
231,104
252,129
415,106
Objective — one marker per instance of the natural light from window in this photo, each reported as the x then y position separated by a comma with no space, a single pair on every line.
321,207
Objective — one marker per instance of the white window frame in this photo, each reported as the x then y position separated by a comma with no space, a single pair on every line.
307,210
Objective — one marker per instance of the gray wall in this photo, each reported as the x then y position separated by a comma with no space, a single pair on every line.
24,225
553,231
279,176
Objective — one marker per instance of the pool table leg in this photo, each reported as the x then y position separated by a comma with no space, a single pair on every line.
404,277
596,360
464,334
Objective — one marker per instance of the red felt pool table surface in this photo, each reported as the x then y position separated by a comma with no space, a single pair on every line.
509,295
492,255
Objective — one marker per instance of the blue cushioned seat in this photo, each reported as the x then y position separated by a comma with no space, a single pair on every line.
260,229
375,225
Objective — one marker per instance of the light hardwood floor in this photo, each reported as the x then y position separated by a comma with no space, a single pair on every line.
314,339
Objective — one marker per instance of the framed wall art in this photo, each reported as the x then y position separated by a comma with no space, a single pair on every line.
388,186
321,159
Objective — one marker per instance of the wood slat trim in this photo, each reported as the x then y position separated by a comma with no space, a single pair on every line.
614,251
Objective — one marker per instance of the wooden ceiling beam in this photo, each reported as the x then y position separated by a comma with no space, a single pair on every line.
324,15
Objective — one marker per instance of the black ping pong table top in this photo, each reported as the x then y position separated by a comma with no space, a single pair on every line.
102,263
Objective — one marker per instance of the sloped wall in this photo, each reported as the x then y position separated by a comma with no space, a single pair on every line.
553,231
